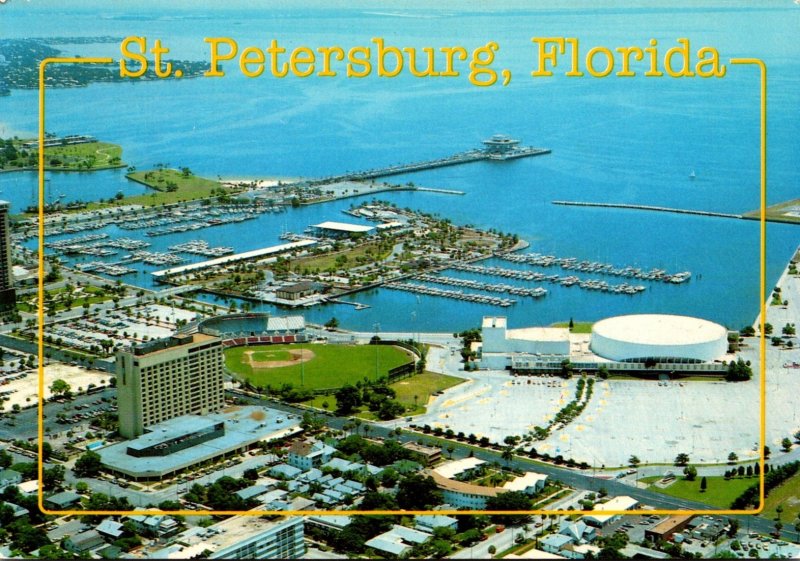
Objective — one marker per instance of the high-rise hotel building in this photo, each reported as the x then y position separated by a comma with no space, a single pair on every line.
167,378
7,293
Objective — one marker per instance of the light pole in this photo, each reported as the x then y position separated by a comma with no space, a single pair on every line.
377,327
416,324
302,366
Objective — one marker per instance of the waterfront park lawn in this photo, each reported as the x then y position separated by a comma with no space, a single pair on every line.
330,366
85,157
413,392
720,493
186,188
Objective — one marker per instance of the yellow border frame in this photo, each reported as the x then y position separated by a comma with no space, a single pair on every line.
762,367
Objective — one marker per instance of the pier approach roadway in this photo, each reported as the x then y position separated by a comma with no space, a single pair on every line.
499,148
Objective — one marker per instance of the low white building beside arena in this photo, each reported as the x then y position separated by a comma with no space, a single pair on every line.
501,343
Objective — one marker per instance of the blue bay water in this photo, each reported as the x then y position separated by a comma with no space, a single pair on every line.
632,140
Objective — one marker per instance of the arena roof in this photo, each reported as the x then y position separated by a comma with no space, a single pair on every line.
659,329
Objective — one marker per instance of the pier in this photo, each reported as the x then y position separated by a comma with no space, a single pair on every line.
498,148
356,305
649,207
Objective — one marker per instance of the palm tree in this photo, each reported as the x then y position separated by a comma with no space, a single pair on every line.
508,454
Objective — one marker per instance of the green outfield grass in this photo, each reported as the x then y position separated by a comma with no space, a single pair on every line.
332,366
422,386
720,493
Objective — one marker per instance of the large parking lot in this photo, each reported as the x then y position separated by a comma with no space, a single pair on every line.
652,420
121,327
23,388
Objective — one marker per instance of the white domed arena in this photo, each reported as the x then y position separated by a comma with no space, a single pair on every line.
662,337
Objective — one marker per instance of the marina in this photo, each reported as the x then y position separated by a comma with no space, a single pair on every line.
201,247
477,285
110,269
153,258
571,280
453,294
572,264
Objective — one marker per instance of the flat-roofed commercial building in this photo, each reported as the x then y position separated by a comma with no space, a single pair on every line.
174,446
277,540
500,344
616,504
668,528
167,378
240,537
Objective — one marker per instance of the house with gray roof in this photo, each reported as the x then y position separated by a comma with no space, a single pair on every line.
429,522
579,531
9,477
284,471
554,542
16,510
63,500
110,528
398,541
251,492
84,542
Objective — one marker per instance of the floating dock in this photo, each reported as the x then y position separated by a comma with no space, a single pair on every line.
201,247
478,285
572,264
589,284
454,294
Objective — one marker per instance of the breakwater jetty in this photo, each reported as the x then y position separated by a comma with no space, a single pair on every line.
649,207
